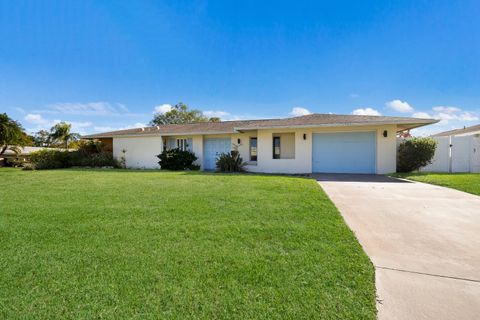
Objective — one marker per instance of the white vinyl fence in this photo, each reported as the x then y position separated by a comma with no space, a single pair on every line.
456,154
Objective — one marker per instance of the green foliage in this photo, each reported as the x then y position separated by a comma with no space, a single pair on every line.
101,159
50,159
415,153
12,135
41,138
230,162
89,154
88,147
176,159
180,113
60,134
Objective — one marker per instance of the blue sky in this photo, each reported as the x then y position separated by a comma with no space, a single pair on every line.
104,65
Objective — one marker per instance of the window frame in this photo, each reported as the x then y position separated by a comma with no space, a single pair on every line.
253,158
279,155
182,144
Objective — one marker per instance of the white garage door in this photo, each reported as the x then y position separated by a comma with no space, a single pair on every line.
345,152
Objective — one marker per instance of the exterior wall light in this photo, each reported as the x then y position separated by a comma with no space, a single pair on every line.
239,141
304,136
385,133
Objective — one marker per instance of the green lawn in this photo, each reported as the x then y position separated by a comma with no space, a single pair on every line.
149,244
468,182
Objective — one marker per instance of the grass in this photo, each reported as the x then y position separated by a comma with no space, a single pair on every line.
146,244
468,182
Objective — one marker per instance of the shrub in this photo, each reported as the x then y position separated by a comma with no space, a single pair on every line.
80,159
56,159
415,153
176,159
49,159
230,162
88,147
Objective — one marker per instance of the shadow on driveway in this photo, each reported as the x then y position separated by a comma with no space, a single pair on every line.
340,177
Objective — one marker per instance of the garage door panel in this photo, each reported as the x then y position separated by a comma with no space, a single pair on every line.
348,152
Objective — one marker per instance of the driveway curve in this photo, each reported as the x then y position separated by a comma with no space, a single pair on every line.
424,241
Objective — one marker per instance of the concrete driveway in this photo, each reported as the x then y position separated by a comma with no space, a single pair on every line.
424,241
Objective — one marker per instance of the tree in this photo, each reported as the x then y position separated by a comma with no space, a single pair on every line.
180,113
12,136
41,139
60,134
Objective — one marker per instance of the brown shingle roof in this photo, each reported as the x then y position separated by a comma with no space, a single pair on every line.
312,120
458,131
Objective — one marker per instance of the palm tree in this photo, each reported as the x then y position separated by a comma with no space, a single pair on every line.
12,136
61,133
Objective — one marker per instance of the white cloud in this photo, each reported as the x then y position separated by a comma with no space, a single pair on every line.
446,109
422,115
446,114
399,106
108,128
36,119
122,107
354,95
40,123
163,108
74,108
366,112
467,116
298,111
216,114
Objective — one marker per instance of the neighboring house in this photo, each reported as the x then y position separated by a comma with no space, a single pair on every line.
465,131
311,143
457,151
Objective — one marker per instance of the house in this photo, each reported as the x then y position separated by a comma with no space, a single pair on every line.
306,144
465,131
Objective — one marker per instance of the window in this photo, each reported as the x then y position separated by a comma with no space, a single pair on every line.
284,145
276,147
182,144
253,149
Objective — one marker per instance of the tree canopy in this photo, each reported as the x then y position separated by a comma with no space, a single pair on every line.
12,135
180,113
60,134
41,138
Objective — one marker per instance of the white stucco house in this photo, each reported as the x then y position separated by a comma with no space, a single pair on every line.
306,144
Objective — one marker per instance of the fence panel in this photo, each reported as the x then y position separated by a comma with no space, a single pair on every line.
441,159
461,153
475,159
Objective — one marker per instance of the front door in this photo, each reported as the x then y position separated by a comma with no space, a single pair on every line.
212,148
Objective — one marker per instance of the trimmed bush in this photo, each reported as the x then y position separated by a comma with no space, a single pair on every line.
88,156
79,159
49,159
176,159
230,162
415,153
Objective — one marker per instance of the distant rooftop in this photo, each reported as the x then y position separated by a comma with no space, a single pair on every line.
464,130
226,127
